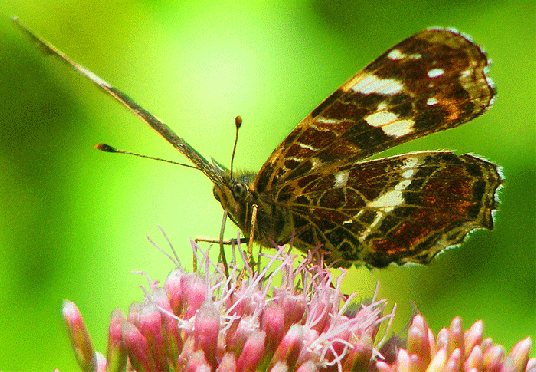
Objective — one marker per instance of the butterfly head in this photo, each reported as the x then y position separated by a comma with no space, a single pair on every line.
237,197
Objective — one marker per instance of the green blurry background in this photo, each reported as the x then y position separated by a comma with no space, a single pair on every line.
75,220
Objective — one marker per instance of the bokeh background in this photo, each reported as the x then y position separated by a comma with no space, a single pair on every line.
74,220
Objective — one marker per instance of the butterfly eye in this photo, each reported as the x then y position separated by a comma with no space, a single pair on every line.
239,190
216,194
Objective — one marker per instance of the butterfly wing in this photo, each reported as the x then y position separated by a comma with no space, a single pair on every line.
401,209
431,81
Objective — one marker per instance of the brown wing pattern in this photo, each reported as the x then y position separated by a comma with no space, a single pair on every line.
401,209
431,81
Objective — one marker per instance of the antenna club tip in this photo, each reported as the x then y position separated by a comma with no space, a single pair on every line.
238,122
105,147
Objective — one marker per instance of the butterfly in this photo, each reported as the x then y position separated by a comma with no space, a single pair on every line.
318,190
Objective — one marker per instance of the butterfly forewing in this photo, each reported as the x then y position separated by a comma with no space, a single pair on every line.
431,81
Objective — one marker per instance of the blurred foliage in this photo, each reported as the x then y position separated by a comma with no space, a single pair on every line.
75,219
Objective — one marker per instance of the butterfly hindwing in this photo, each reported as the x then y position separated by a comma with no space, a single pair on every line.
405,208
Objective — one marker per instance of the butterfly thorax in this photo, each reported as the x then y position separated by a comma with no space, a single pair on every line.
238,197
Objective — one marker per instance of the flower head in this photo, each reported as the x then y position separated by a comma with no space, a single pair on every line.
245,322
242,322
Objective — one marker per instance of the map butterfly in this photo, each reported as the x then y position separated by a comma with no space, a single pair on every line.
317,189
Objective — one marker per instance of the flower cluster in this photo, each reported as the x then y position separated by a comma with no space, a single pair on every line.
453,351
239,322
243,321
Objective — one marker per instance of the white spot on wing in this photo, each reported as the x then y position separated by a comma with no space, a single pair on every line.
382,106
391,199
410,163
410,166
431,101
373,84
399,128
435,72
341,178
381,118
308,147
387,202
396,54
409,173
324,120
390,124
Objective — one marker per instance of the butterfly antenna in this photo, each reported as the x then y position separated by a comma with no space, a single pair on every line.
107,148
156,124
238,124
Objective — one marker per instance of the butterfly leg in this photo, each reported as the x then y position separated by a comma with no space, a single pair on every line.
218,241
249,240
252,236
223,242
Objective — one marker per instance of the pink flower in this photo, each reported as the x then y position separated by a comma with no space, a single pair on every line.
245,322
455,350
